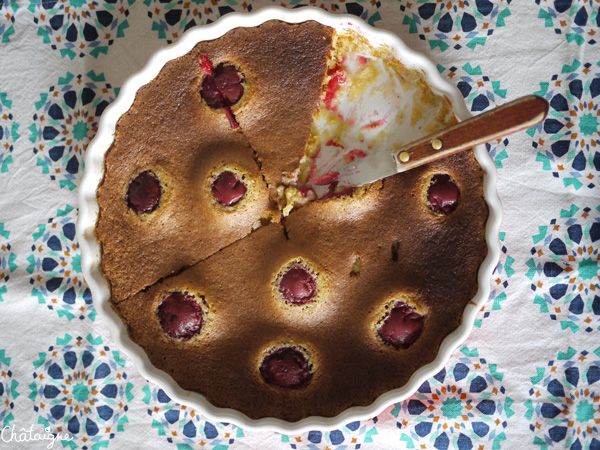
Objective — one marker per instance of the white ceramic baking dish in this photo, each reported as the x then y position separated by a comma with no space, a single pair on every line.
88,211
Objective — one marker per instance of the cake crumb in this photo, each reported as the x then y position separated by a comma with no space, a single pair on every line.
356,266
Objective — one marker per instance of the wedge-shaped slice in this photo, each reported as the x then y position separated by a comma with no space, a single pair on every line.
283,67
162,203
399,237
161,208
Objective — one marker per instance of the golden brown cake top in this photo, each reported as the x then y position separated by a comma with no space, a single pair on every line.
172,133
310,313
333,315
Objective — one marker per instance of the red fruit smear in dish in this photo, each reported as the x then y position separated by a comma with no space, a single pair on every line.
286,367
375,124
298,286
305,190
323,180
363,60
335,192
354,154
443,194
401,327
338,78
180,315
228,189
144,192
222,87
333,143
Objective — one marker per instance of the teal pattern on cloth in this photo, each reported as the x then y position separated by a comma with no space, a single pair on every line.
528,376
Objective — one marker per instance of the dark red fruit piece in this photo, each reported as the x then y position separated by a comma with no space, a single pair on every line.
286,367
223,87
227,188
443,194
298,286
143,193
180,315
402,326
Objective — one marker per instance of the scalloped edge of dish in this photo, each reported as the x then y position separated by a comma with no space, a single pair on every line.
91,253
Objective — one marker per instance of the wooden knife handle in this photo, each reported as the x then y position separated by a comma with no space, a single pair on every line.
514,116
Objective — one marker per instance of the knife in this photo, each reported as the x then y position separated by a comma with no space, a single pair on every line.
517,115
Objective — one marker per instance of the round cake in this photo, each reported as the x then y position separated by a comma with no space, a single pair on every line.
236,260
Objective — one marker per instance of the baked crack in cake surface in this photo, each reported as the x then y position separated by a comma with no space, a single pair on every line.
229,286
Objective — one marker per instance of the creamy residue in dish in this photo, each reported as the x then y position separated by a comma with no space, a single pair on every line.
370,102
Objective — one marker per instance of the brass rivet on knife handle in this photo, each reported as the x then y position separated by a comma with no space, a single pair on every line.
404,157
436,144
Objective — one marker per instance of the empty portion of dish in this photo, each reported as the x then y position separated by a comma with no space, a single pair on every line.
370,102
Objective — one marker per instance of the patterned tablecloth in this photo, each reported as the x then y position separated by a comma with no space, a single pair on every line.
527,377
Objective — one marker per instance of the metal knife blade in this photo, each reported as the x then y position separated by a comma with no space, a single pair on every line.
514,116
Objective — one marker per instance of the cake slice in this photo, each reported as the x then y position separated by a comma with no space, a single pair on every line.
178,184
181,133
283,66
294,339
